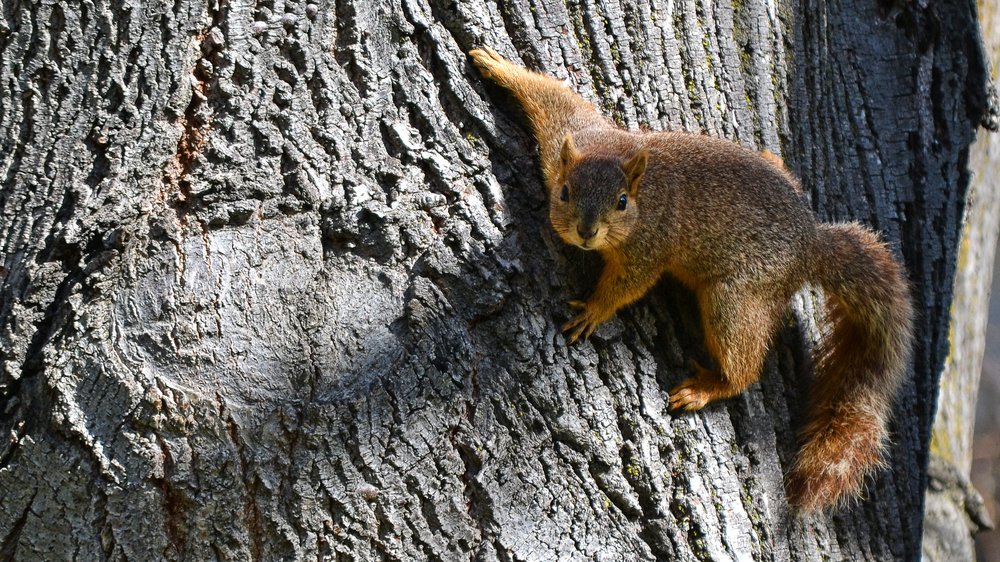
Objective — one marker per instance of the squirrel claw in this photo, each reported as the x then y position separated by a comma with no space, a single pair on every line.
575,328
582,324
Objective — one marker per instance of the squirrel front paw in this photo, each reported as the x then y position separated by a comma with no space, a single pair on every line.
584,323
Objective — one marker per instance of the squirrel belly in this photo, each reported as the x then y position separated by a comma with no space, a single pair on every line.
731,224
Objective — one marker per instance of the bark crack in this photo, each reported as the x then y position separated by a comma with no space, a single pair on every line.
251,510
196,120
174,502
8,546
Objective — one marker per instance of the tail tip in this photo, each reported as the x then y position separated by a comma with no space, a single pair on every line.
815,492
833,466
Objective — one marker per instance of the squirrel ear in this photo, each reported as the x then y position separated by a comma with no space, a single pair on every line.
568,154
634,168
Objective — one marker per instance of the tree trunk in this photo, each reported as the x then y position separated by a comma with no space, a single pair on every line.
954,509
278,283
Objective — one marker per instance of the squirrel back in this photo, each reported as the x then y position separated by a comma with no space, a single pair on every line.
707,208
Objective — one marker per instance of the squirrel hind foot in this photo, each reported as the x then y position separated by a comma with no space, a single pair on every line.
487,61
696,392
689,396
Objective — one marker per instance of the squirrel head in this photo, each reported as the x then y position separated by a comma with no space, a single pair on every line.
594,203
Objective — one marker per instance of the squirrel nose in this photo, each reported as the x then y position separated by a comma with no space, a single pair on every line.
586,232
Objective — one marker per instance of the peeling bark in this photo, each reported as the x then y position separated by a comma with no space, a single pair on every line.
277,281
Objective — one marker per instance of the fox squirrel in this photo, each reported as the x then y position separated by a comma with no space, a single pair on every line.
729,223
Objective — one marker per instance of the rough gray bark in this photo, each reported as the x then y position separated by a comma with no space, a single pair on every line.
954,509
277,281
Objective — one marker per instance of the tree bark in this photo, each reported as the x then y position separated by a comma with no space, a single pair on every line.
278,284
954,509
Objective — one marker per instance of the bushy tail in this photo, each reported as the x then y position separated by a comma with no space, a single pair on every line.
860,364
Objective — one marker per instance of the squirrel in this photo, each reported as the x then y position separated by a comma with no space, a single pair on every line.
732,225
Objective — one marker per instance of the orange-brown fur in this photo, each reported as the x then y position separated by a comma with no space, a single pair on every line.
729,223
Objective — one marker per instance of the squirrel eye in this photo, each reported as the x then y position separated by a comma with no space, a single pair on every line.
622,202
564,195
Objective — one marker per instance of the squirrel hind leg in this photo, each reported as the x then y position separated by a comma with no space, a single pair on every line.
738,326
